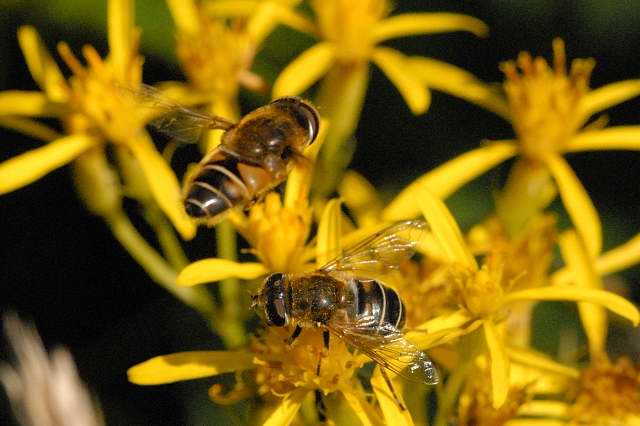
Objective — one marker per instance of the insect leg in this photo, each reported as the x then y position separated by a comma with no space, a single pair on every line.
393,391
320,406
295,335
325,341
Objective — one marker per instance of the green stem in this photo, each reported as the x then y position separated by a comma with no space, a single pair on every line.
171,247
124,231
340,99
231,326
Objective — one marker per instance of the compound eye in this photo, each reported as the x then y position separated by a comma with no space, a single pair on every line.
274,307
304,114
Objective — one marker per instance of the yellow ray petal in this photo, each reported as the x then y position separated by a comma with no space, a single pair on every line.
305,70
214,269
622,257
395,66
43,68
577,203
361,198
426,23
163,184
544,408
360,407
461,83
32,165
535,422
609,139
594,318
120,19
329,233
611,301
607,96
499,365
188,365
393,415
447,178
288,408
268,15
185,15
25,103
446,230
29,127
539,361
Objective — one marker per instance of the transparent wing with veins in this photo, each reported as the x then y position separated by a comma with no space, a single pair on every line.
387,346
172,119
381,252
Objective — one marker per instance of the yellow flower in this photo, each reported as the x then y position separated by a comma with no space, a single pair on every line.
93,111
352,31
549,109
484,296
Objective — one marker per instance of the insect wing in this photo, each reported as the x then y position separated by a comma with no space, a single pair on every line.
382,251
387,346
172,119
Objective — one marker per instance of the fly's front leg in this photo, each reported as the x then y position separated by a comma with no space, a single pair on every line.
325,340
294,335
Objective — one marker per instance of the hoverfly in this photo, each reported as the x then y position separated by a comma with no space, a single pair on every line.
255,154
341,299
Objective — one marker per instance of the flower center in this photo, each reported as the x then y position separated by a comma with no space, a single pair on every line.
348,23
476,407
282,367
607,391
544,99
479,292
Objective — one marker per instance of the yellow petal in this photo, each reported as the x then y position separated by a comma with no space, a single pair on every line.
393,415
268,15
214,269
43,68
360,407
188,365
32,165
535,422
29,127
120,19
288,408
611,301
540,362
499,365
395,66
447,178
18,102
185,15
544,408
609,139
305,70
577,203
458,82
446,230
622,257
329,233
299,180
594,318
426,23
361,198
163,184
607,96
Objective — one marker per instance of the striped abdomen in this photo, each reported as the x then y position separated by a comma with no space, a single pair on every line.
378,301
222,182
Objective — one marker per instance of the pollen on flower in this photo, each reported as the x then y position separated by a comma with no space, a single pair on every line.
216,57
476,408
282,367
607,392
544,98
480,292
98,102
347,24
277,234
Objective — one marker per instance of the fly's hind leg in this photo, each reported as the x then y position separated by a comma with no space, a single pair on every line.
294,335
391,388
325,341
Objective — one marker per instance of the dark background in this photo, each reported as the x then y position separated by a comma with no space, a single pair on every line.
61,267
